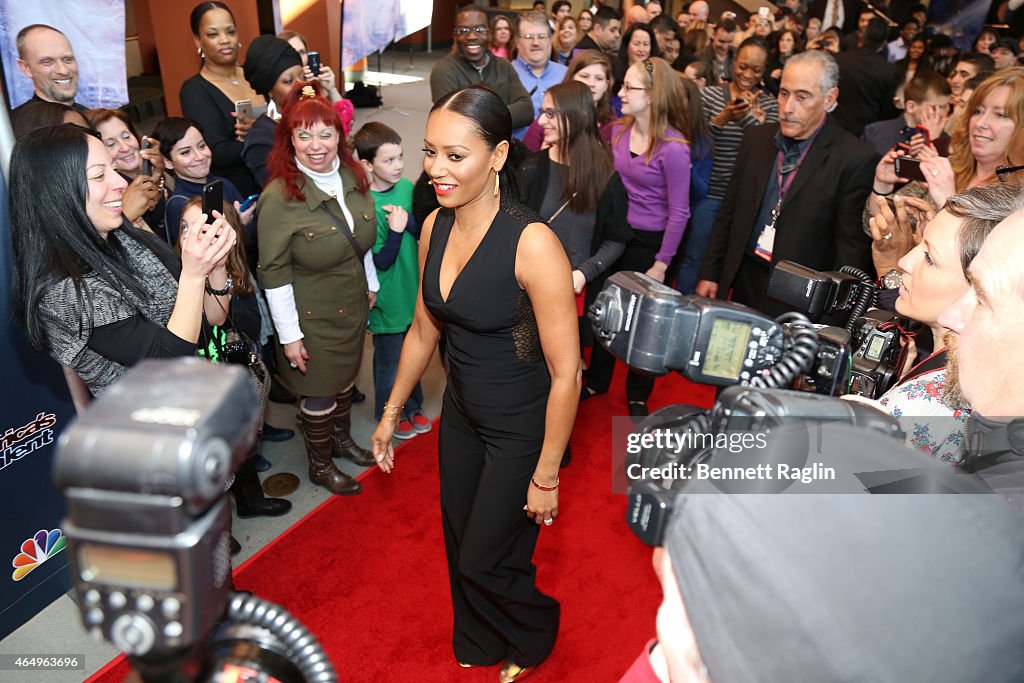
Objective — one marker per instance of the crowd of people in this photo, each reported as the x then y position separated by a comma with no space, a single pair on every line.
560,149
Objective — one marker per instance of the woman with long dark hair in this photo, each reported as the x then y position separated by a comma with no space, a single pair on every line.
98,294
651,147
594,70
317,225
915,61
496,281
573,185
638,44
209,97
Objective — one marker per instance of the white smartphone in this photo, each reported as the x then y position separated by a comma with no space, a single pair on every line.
243,108
763,11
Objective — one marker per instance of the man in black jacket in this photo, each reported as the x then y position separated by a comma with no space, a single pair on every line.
605,33
989,322
797,192
867,81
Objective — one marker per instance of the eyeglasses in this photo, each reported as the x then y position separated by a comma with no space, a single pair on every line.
1003,171
549,112
466,30
536,36
630,88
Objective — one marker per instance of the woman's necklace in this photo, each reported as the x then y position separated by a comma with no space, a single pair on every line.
233,79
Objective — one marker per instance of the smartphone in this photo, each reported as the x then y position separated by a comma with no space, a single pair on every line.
244,108
147,165
313,59
213,199
763,12
909,168
249,201
906,133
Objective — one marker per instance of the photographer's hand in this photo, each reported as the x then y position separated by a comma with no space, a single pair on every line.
707,288
891,238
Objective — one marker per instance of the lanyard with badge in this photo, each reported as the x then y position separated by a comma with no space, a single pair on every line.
766,241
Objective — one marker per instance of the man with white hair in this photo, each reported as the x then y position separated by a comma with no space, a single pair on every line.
989,319
797,192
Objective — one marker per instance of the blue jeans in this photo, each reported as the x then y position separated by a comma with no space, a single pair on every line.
387,348
695,243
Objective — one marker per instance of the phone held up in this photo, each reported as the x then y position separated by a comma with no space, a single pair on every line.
147,165
213,199
243,109
909,168
313,59
249,201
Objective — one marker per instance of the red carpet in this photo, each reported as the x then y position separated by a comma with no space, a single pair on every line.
368,575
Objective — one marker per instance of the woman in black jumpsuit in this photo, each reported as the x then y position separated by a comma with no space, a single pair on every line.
498,282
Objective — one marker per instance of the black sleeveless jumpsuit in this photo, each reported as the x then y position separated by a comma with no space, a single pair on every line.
492,428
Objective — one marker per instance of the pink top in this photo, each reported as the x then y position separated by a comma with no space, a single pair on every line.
500,52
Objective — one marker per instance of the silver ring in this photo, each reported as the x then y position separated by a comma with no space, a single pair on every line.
548,522
295,365
887,236
935,172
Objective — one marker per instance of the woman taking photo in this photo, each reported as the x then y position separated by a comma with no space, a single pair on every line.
498,286
209,97
143,202
93,291
934,275
503,37
981,143
565,39
272,67
650,145
594,70
317,225
326,78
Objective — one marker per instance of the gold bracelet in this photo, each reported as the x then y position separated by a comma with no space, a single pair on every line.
392,413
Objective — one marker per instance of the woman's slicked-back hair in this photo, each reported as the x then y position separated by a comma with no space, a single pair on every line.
981,209
301,112
488,118
196,17
170,131
52,235
587,158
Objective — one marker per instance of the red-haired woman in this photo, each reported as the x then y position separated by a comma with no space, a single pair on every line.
317,224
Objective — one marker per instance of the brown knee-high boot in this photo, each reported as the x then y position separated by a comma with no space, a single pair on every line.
317,430
344,446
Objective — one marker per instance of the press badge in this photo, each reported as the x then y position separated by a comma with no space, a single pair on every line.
766,243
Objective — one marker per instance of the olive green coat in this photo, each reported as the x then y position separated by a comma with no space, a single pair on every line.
301,246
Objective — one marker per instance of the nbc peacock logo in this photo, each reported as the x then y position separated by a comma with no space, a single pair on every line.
36,550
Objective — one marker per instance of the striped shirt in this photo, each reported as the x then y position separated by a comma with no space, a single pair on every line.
728,137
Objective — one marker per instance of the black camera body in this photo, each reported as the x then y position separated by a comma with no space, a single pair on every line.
878,353
144,471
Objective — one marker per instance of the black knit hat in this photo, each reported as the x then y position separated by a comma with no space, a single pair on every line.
265,60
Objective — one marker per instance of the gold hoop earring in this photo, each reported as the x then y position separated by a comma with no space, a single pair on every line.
497,183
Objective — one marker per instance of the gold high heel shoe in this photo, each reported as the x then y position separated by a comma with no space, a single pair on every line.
510,672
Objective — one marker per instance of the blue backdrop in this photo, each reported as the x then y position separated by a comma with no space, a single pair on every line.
36,407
